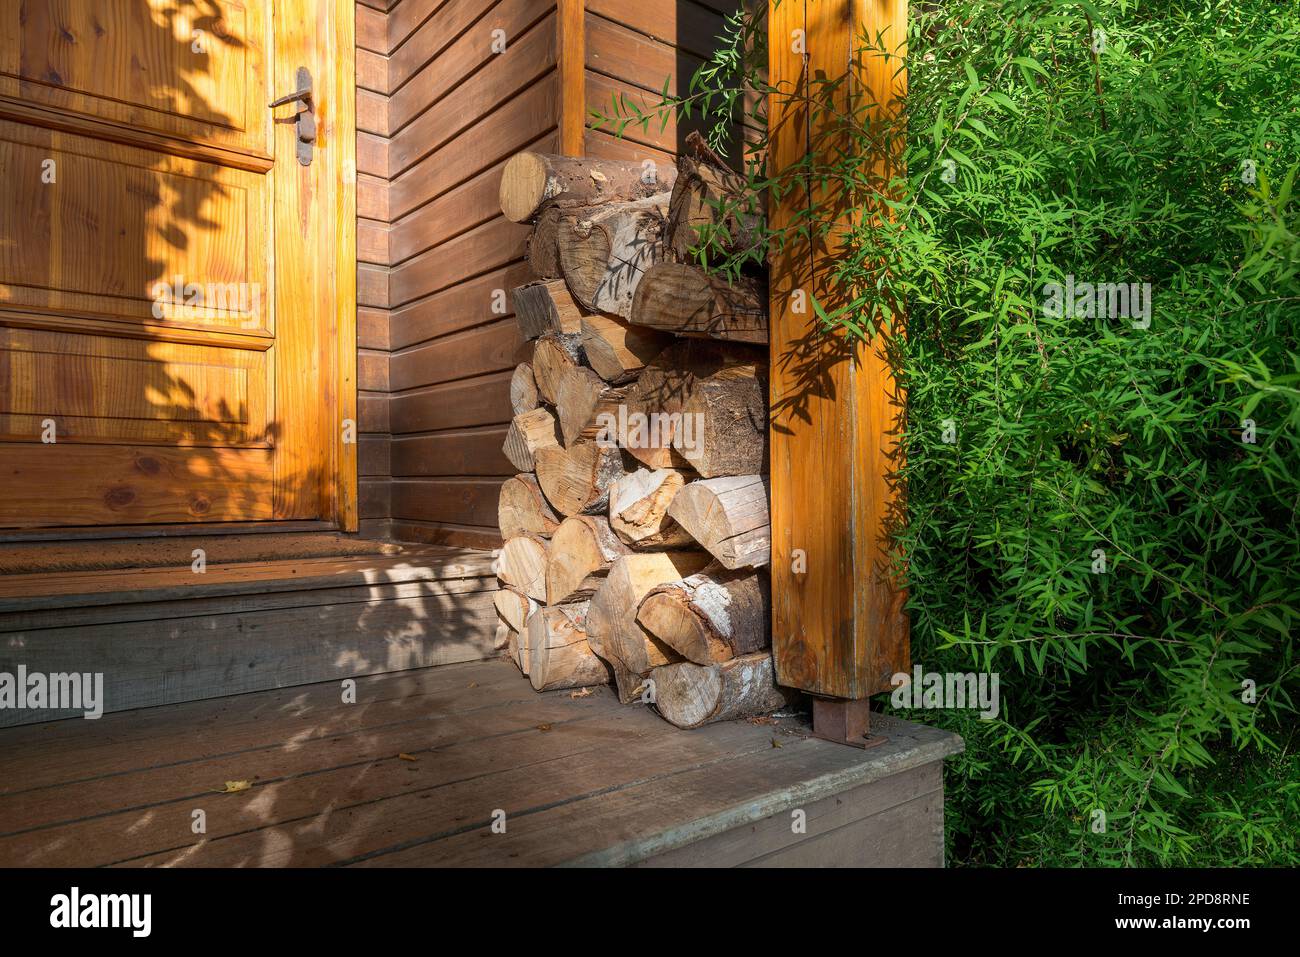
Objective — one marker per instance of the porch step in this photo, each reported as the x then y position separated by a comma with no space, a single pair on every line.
165,635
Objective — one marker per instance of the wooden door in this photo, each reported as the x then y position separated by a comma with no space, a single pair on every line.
177,292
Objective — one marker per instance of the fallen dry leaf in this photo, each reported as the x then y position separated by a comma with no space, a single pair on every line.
543,727
580,693
776,743
407,757
234,787
473,684
761,719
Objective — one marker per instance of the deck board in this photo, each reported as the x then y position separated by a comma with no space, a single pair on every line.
582,780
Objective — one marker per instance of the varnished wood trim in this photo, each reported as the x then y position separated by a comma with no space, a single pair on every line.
571,36
197,335
21,112
159,531
839,624
345,483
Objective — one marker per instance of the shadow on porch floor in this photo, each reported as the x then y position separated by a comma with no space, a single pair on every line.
417,770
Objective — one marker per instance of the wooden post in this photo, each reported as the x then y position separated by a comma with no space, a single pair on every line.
571,38
838,625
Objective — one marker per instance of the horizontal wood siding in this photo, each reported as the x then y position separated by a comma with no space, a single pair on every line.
456,111
632,48
373,261
443,114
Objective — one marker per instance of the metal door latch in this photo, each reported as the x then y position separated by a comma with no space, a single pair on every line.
306,119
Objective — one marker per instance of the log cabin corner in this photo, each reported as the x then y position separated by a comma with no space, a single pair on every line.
309,315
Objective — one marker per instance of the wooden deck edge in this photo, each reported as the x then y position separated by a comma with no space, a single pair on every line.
910,746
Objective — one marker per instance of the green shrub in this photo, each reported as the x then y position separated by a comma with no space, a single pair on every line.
1127,691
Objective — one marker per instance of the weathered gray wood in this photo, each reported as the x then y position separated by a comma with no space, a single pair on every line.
691,695
582,781
545,306
729,517
145,664
863,810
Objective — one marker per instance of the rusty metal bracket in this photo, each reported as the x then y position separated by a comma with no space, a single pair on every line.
845,721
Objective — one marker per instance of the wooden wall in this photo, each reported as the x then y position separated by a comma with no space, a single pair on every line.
374,445
438,114
632,47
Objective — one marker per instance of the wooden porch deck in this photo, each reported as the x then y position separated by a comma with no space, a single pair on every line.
413,773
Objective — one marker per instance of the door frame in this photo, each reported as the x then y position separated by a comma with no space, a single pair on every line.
337,146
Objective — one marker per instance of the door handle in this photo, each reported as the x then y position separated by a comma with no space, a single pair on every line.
305,121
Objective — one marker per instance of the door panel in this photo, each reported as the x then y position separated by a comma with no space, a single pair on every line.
129,229
99,389
122,485
194,71
173,284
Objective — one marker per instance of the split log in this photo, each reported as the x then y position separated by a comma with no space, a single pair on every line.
712,209
619,351
605,249
523,389
543,248
724,423
527,433
514,607
546,306
578,560
576,480
512,649
684,299
729,517
522,509
711,616
581,400
521,564
654,403
521,644
558,653
612,628
690,695
553,358
533,181
502,639
638,509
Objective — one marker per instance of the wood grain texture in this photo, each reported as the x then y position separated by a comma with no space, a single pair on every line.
839,627
378,629
577,794
571,30
152,161
455,113
124,63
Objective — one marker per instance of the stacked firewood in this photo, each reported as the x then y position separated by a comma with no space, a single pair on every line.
637,532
